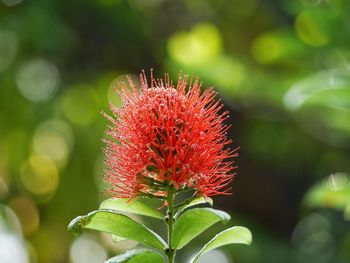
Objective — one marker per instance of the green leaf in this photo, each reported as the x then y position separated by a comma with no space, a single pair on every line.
332,192
193,222
193,202
233,235
137,256
130,206
325,88
117,224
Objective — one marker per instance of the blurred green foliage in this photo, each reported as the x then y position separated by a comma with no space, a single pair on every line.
282,68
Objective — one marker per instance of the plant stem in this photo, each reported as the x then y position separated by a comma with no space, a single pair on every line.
169,220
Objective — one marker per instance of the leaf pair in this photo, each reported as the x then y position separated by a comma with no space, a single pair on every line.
233,235
108,219
190,223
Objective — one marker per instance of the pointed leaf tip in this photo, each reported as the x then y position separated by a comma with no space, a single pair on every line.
77,224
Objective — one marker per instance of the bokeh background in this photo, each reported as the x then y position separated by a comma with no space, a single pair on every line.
282,69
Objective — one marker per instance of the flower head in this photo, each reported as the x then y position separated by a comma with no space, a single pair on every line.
168,135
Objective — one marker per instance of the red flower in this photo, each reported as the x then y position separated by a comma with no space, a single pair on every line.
165,135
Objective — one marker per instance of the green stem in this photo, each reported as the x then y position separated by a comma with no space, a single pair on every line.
169,220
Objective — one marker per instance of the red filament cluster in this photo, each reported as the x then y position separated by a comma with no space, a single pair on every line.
168,135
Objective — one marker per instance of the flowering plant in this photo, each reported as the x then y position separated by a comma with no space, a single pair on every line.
165,141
